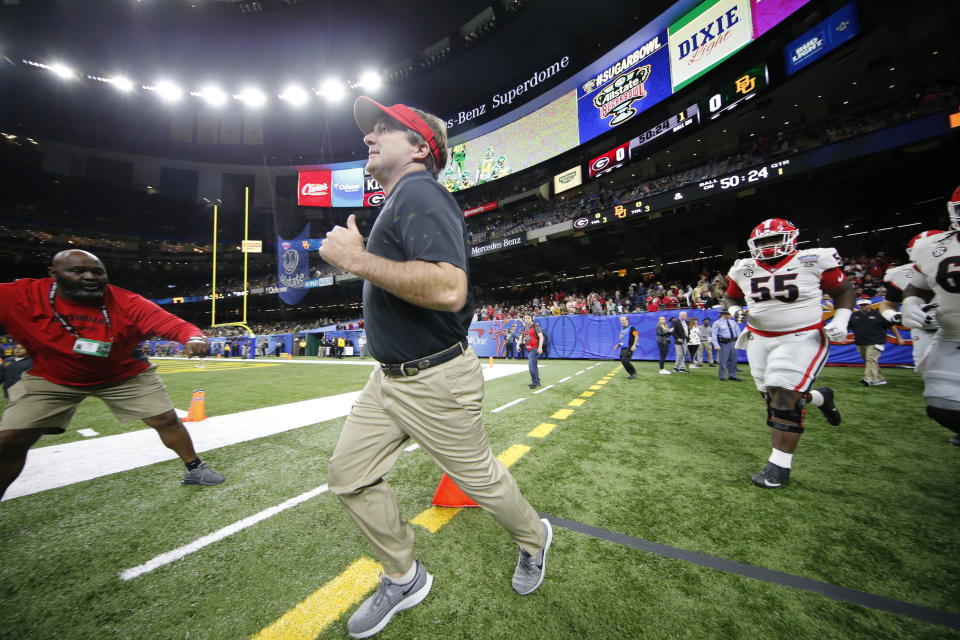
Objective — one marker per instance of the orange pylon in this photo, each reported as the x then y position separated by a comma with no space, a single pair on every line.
448,494
198,407
491,362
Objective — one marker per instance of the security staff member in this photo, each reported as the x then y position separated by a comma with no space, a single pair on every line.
628,344
725,334
429,386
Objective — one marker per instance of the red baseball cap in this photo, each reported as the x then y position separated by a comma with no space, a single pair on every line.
366,112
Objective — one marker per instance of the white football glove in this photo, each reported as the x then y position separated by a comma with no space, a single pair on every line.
915,314
836,329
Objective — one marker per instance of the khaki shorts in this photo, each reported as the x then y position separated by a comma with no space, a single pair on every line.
37,403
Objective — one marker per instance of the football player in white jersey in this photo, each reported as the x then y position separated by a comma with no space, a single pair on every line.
896,280
938,261
785,339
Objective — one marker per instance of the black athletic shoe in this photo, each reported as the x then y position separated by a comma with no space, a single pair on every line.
632,376
771,477
828,408
534,386
955,441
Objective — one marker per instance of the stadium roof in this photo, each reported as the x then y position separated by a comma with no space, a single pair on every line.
442,56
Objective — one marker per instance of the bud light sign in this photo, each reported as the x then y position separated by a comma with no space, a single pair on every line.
836,30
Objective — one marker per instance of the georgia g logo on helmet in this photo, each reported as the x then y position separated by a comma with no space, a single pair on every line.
772,239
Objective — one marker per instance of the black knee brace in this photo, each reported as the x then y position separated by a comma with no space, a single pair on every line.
945,418
790,420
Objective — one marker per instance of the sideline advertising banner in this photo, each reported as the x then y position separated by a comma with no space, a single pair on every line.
705,37
615,94
596,337
836,30
350,187
293,263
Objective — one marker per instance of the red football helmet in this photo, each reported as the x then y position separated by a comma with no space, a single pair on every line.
782,231
953,209
916,240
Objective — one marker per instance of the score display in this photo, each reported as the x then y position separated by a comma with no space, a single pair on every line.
734,93
745,178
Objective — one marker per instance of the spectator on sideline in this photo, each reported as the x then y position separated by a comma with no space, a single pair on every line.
706,342
693,347
725,334
533,340
15,366
663,342
429,387
681,334
362,343
510,345
869,330
628,344
82,333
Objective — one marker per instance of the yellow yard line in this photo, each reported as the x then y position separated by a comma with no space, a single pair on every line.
309,618
562,414
542,430
587,394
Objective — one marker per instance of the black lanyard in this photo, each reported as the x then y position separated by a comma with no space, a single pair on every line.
67,325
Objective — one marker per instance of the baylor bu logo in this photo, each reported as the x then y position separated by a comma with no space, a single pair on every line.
618,96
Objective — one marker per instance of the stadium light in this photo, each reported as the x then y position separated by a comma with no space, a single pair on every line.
332,90
121,83
62,71
295,95
251,97
370,81
168,91
212,95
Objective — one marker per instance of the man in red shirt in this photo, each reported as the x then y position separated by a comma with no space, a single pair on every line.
534,343
83,335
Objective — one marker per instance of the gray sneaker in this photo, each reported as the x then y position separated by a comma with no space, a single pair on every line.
530,569
376,611
202,475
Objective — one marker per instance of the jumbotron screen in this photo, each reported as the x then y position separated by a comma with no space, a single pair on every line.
539,136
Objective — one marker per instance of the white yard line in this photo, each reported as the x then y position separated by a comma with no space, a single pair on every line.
565,379
508,405
220,534
412,447
87,432
579,372
65,464
549,386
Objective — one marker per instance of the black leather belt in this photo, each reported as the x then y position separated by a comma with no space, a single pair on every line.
413,367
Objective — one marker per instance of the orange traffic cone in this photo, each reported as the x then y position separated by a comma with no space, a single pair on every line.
448,494
491,362
198,407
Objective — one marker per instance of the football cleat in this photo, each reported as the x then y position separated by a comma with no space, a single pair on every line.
771,477
828,408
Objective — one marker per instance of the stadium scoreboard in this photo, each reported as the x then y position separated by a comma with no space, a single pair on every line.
742,179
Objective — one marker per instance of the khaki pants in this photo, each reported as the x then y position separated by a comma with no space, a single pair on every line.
871,356
439,409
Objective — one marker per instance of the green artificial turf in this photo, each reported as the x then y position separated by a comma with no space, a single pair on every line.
872,505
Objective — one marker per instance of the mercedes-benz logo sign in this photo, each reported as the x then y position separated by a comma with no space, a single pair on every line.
600,163
580,223
291,258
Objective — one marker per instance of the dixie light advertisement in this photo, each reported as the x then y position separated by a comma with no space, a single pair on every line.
614,94
705,37
836,30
